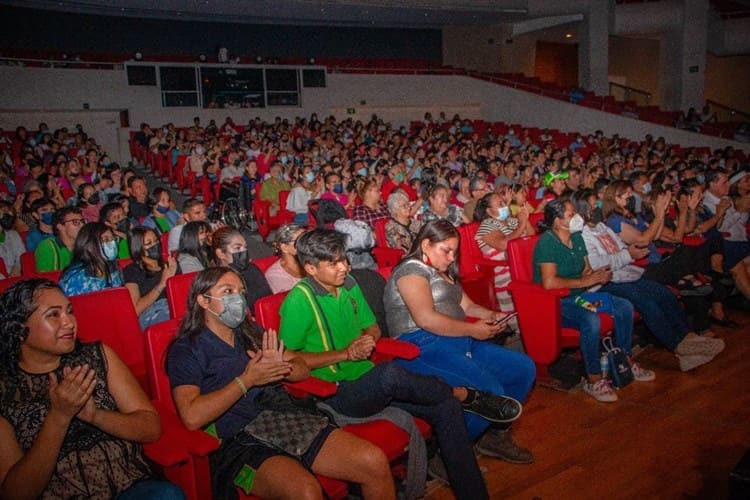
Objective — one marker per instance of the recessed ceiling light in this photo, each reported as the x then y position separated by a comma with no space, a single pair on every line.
568,35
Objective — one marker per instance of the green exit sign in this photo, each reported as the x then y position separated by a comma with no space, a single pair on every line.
350,111
693,69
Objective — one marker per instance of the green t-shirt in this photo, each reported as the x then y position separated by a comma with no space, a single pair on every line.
344,319
123,251
570,261
52,256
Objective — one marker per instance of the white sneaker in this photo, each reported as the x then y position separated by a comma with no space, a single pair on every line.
601,390
642,374
694,345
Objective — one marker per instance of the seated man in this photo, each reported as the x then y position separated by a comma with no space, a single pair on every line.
327,320
55,254
193,210
42,210
273,185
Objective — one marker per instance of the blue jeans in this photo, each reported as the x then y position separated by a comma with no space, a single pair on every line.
153,314
658,306
152,490
587,322
425,397
465,362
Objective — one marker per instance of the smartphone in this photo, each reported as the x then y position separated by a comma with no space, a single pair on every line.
506,318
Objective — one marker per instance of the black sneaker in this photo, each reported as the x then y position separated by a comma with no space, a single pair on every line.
498,443
499,409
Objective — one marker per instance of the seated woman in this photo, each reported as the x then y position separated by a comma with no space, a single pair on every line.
401,229
220,366
146,277
438,197
425,305
194,251
681,268
229,248
496,228
520,200
307,188
560,261
283,274
656,303
372,207
94,265
162,217
72,416
334,190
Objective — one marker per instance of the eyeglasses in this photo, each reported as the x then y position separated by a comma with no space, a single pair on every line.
75,222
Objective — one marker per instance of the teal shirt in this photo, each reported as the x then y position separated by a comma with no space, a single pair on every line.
570,261
346,315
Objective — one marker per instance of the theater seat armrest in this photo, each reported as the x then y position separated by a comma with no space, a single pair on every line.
393,348
313,386
196,442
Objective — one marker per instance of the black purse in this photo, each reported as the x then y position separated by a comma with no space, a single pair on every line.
619,366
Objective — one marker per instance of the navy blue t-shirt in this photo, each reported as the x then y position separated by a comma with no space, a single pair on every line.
210,364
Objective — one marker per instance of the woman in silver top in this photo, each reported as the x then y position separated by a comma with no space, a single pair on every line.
426,305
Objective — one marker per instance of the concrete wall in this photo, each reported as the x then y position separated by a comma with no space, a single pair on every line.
56,95
722,77
469,47
636,59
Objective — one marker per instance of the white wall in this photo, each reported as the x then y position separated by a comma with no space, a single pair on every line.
50,94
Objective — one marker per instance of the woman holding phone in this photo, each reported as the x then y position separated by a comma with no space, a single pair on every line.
426,305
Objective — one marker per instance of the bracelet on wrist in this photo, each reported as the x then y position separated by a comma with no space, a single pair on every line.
242,385
348,354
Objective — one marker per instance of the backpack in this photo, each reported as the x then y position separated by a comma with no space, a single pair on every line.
359,242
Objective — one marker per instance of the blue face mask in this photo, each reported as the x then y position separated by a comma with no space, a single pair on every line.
162,209
309,177
700,178
503,213
47,217
410,161
109,250
338,188
647,188
362,172
399,177
284,159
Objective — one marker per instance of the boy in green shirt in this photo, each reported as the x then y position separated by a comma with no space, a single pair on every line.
55,254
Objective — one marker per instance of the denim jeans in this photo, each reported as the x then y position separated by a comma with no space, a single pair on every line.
465,362
155,313
153,490
425,397
587,322
658,306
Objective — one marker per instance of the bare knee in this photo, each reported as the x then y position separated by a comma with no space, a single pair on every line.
307,488
371,461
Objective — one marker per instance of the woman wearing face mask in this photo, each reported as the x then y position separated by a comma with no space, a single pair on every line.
655,302
220,367
229,248
94,265
307,188
496,228
146,277
162,217
194,248
334,190
90,202
560,261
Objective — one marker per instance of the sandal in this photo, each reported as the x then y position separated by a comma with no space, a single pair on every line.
688,286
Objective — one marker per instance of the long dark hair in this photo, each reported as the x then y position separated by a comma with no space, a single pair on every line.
190,241
17,304
480,210
137,252
221,239
194,320
435,232
554,209
87,251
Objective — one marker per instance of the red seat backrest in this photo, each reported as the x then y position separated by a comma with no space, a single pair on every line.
379,228
7,282
177,293
158,339
267,310
3,269
109,315
265,262
521,256
164,239
28,263
466,257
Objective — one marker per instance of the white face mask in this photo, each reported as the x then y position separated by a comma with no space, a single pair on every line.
576,224
503,213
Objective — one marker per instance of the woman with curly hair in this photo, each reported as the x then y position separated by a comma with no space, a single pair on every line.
72,416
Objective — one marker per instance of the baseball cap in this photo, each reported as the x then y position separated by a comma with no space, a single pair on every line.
551,176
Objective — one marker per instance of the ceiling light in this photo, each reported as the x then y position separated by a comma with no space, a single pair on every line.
568,35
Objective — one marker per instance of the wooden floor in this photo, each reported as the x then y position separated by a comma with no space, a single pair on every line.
675,438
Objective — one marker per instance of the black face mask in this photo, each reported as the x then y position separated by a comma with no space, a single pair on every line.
154,252
240,260
123,226
6,221
630,205
93,199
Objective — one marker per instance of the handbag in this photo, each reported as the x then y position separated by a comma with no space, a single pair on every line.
619,366
291,432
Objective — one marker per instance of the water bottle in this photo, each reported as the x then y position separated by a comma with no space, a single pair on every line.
604,365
